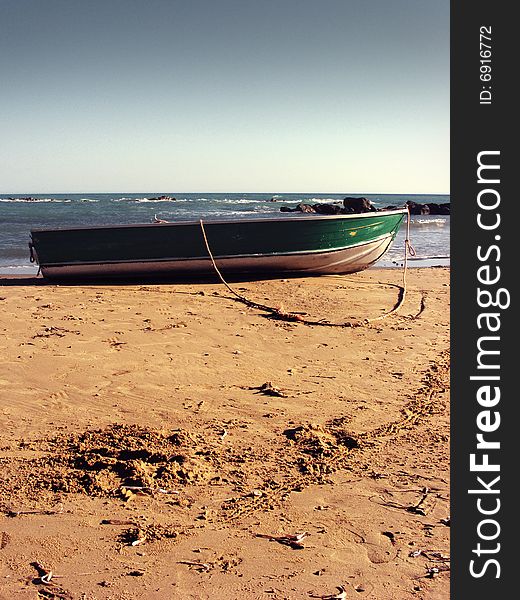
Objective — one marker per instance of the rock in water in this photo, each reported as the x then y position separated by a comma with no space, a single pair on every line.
357,205
327,209
431,208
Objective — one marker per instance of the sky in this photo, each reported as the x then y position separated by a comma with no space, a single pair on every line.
334,96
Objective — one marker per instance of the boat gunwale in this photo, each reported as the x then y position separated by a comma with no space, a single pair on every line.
306,216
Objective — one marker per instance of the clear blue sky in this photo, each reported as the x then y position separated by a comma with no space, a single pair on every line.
224,95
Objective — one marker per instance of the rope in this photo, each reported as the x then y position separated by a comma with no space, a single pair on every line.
32,258
239,296
408,249
290,316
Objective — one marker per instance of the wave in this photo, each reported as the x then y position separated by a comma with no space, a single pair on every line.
151,200
35,200
128,199
322,200
437,222
417,261
30,267
214,214
213,201
232,200
430,257
47,200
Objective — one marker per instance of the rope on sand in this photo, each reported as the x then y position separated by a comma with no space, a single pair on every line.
291,316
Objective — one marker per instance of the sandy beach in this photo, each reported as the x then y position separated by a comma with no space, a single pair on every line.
164,440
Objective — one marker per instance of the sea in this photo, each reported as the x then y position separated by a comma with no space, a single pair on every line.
19,213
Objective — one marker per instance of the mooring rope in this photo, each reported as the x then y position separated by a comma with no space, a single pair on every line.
408,250
291,316
239,296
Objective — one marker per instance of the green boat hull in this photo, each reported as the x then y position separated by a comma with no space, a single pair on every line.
304,244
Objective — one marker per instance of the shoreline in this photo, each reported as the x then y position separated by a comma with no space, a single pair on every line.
342,444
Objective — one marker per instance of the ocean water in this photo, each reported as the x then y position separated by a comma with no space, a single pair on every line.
19,213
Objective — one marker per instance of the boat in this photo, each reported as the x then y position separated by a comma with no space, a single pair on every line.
304,244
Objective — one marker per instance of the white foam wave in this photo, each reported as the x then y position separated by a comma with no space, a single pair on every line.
324,200
35,200
438,222
232,213
29,267
430,257
144,200
234,200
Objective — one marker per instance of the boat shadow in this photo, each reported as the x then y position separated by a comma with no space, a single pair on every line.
39,281
22,281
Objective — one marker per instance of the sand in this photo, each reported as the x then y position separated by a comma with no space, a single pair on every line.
167,441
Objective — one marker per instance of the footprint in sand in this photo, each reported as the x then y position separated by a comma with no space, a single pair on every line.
60,395
115,343
380,547
57,400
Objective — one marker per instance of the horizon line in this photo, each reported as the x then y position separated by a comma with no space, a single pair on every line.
229,192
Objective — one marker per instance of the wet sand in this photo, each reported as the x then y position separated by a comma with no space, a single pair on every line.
167,441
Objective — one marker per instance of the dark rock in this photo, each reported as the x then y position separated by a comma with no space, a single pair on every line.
305,208
439,209
431,208
352,205
327,209
294,432
163,197
434,208
357,205
302,208
418,209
